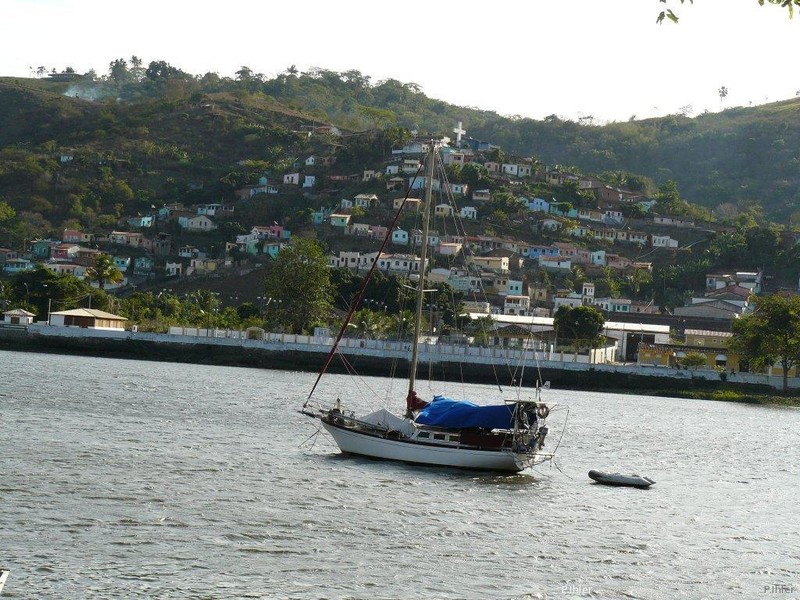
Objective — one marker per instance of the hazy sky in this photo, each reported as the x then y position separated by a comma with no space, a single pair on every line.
573,58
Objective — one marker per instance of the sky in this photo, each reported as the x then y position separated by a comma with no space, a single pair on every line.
608,60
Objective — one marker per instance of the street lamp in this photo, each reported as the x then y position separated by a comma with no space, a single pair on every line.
49,300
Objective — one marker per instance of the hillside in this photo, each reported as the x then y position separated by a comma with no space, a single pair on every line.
70,162
189,129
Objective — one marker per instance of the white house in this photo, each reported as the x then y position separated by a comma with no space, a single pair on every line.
198,223
469,212
539,205
549,224
340,220
18,316
87,318
309,181
572,300
410,165
597,257
141,221
412,148
580,231
663,241
366,200
516,305
173,269
459,188
399,263
291,179
443,210
612,216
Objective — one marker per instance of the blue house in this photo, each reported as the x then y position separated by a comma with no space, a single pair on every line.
320,216
535,251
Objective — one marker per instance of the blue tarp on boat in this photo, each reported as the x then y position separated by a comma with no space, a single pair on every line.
460,414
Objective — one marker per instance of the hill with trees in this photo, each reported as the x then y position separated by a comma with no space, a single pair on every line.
87,152
737,160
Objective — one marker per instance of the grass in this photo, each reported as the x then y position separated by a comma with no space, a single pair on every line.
732,395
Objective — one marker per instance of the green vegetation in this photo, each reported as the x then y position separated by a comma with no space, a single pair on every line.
298,287
581,326
770,334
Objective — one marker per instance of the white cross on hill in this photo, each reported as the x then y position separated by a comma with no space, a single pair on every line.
459,132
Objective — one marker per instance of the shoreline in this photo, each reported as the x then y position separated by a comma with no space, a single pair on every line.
211,351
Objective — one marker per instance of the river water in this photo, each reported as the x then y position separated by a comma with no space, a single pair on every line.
134,479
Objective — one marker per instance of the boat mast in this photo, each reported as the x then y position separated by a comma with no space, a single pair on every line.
426,214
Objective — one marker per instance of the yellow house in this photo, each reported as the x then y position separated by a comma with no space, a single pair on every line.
498,264
711,344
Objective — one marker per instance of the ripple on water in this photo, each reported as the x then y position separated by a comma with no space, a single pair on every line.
180,481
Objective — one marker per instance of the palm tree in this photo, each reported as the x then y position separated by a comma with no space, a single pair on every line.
104,271
370,324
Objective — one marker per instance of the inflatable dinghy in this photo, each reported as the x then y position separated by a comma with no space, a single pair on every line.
621,480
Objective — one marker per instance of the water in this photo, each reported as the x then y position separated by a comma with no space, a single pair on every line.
127,479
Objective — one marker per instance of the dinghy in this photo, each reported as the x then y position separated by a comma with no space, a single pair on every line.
621,480
3,577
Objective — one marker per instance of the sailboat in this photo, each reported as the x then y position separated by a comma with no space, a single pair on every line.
444,432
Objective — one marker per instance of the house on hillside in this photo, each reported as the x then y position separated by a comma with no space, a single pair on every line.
469,212
366,201
538,205
481,195
411,204
78,271
140,221
17,265
443,210
400,237
340,220
663,241
198,223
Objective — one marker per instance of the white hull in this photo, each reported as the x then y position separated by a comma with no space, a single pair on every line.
3,577
427,454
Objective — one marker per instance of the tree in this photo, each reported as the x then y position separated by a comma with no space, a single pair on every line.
582,324
693,360
723,93
370,324
118,71
137,70
788,4
298,283
103,271
770,334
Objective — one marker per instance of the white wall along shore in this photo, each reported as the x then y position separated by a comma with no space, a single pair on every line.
429,353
